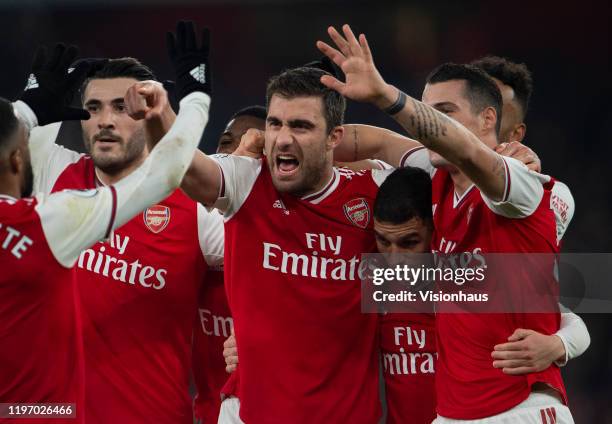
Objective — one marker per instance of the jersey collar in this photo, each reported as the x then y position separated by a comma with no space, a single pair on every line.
319,196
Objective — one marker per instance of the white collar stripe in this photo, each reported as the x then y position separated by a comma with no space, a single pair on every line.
329,188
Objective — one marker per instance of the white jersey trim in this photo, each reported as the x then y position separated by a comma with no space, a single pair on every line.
523,191
326,191
211,235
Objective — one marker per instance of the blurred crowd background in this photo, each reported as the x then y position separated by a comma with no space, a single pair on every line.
566,46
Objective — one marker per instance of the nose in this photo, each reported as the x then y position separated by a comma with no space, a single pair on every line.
106,118
284,138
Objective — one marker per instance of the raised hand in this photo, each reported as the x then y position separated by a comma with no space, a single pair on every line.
148,100
190,62
362,80
51,85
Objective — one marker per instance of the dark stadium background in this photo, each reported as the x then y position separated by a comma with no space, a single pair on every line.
565,45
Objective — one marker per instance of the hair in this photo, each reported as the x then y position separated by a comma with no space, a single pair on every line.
123,67
9,123
255,111
405,194
481,91
305,82
515,75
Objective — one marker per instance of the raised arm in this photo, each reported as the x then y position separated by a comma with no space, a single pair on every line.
433,129
361,142
74,220
44,104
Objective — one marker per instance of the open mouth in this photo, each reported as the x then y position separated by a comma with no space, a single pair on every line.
287,164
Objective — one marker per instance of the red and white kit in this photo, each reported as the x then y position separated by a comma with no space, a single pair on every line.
408,349
40,330
213,326
307,353
468,387
42,238
139,294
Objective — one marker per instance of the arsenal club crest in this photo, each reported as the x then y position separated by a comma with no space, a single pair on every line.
358,212
156,218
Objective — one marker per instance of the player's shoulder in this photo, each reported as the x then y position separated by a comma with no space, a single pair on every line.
16,208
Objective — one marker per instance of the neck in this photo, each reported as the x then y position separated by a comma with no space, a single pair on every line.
460,181
9,188
110,178
325,178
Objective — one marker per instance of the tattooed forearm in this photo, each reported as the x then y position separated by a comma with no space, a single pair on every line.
499,167
427,123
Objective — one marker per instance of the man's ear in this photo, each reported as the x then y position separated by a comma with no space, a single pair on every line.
15,161
335,137
518,134
489,119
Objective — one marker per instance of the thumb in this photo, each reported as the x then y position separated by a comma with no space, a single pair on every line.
75,114
519,334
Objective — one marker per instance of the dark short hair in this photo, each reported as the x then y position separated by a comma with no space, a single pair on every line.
515,75
8,123
304,82
405,194
480,89
123,67
255,111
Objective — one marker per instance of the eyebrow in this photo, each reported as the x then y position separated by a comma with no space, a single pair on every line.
445,105
98,102
304,123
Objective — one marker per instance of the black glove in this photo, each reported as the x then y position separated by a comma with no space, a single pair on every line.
327,65
50,87
190,63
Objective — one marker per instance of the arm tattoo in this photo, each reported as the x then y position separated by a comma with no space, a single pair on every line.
428,123
499,169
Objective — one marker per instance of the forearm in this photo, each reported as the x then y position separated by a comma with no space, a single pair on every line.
452,141
574,335
156,128
164,168
362,142
203,179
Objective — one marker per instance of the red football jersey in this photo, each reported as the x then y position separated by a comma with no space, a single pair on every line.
41,354
139,295
307,353
468,387
408,349
213,327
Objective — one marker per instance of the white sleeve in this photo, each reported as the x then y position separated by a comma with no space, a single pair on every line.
382,164
574,335
418,157
562,204
48,158
74,220
211,235
238,176
380,175
523,191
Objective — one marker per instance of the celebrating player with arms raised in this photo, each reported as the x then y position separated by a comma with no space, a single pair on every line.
43,236
139,288
512,213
